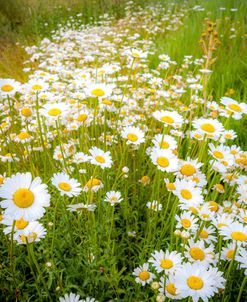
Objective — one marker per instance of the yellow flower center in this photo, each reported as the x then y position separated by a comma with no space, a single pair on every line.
213,206
208,128
82,117
64,186
36,87
26,112
221,225
21,224
132,137
193,210
204,234
23,198
145,179
186,194
24,238
230,254
144,275
167,119
195,283
187,170
93,182
185,223
162,161
239,236
1,180
235,107
197,253
170,186
7,88
171,289
54,112
198,136
218,154
98,92
100,159
107,102
23,135
166,263
164,145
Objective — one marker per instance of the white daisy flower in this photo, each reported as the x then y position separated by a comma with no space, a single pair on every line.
100,158
133,135
166,262
66,185
24,198
79,207
143,274
169,118
32,233
196,281
70,298
113,197
165,160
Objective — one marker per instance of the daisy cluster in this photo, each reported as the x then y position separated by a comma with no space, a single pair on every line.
136,150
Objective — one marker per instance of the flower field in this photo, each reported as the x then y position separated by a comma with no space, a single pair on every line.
123,159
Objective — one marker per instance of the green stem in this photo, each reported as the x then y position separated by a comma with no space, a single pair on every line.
242,289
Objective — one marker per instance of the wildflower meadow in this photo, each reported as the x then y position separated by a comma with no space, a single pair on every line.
123,154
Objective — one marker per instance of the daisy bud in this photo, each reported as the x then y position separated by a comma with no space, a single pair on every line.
155,285
125,169
160,298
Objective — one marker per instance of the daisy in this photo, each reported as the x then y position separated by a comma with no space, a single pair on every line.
84,117
143,274
8,87
54,111
166,262
80,157
79,207
145,180
197,252
165,160
236,231
188,193
66,185
99,90
167,286
70,298
154,205
242,259
206,234
100,158
24,198
188,168
23,137
164,142
113,197
170,186
210,127
89,299
169,118
187,221
32,233
220,152
93,184
19,224
222,220
133,135
197,281
236,109
229,252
